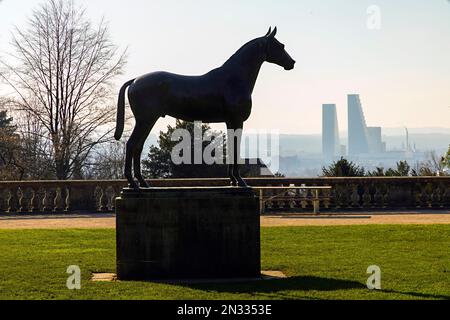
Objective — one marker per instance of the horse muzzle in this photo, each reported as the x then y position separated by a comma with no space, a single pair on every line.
290,65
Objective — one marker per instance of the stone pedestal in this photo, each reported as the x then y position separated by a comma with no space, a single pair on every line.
188,233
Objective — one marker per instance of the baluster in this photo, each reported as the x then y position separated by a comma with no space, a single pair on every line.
386,196
288,196
100,199
366,198
297,201
67,200
110,194
310,199
304,201
429,195
19,199
39,195
57,200
418,195
378,196
45,200
326,198
291,199
442,200
354,196
423,196
435,195
282,200
316,196
9,206
31,207
346,191
412,195
336,193
442,195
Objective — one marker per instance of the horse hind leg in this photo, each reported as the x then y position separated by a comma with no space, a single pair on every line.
138,151
132,146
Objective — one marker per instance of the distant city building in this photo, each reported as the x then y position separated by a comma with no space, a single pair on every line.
361,138
330,132
375,143
358,136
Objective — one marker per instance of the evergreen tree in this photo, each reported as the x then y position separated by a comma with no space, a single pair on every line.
343,168
10,167
159,162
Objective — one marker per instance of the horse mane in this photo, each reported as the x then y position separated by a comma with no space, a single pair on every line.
242,49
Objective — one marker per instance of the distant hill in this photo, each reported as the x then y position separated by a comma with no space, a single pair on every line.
425,130
438,142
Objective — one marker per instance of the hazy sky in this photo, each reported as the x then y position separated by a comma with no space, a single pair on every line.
401,71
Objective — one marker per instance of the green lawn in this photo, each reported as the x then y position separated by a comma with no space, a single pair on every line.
322,262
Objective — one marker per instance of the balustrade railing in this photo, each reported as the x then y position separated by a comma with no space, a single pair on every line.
367,193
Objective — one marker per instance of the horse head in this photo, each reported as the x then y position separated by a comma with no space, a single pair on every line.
275,52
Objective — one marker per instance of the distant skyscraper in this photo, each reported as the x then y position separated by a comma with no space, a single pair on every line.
358,137
330,132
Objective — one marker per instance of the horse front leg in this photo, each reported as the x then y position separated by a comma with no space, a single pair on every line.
236,150
233,181
230,154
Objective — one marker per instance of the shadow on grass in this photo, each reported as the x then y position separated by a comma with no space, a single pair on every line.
280,287
419,295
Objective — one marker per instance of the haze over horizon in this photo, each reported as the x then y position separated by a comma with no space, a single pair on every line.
401,71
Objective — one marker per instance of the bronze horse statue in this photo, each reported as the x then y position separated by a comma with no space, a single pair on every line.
221,95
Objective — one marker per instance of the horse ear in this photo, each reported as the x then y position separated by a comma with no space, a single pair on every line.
268,32
273,34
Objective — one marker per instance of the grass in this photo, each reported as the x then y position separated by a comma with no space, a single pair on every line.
322,262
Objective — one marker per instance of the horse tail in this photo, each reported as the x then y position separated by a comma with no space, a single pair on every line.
121,110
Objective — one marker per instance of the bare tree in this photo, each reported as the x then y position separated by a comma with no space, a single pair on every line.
36,153
106,163
61,75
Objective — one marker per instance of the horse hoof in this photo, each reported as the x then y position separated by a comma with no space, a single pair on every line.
133,185
242,183
144,184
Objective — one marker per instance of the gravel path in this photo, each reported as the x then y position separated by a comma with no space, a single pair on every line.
354,218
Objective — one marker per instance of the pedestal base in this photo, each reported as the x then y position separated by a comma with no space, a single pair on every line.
188,233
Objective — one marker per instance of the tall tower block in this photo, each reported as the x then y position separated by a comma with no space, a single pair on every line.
358,138
330,132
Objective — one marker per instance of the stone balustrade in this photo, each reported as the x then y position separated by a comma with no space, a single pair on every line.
367,193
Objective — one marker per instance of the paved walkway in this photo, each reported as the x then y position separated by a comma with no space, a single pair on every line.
356,219
287,219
